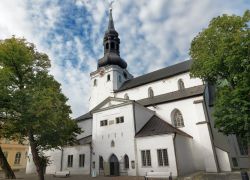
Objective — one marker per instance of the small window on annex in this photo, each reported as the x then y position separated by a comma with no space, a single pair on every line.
81,160
95,82
146,158
70,160
177,118
181,85
108,77
17,158
150,92
162,155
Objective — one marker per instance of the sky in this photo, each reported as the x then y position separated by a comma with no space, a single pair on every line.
154,34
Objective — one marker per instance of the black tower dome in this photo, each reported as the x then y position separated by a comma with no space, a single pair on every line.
111,44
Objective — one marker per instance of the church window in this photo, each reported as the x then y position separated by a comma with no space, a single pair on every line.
125,75
81,160
150,92
70,160
242,142
162,155
126,96
112,45
112,143
107,45
177,118
146,158
119,120
104,123
17,158
126,161
119,78
95,82
101,162
181,85
108,77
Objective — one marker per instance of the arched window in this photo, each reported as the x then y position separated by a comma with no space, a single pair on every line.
177,118
95,82
108,77
101,162
126,96
125,75
126,162
112,143
150,92
181,85
17,158
107,45
112,45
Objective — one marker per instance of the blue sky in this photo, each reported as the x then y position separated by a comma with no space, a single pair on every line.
153,33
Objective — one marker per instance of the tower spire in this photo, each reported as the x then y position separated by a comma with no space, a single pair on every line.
111,22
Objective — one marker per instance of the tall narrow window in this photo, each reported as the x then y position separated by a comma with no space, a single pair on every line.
112,143
70,160
108,77
119,78
17,158
81,160
101,162
126,96
112,45
150,92
181,85
146,158
162,155
107,45
177,118
95,82
126,161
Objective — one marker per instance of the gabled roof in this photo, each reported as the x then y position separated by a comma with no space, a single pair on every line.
84,117
157,75
157,126
173,96
85,140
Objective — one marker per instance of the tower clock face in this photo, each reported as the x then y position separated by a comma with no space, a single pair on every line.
101,71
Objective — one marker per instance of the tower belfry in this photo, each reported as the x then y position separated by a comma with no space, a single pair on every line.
111,44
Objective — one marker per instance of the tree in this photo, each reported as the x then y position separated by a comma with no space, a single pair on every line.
31,102
221,56
8,172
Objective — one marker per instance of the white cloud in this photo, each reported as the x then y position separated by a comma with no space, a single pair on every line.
153,34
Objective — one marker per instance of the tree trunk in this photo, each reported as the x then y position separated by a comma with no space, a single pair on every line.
36,157
9,174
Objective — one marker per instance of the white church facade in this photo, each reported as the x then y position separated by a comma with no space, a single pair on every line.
160,121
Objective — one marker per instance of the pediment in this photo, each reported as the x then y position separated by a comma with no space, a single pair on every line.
111,102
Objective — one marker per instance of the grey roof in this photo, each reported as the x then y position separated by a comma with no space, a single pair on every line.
84,117
157,75
157,126
85,140
173,96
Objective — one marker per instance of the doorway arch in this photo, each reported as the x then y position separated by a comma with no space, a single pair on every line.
114,165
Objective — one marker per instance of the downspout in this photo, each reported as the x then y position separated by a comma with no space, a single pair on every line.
210,132
90,159
61,166
176,159
135,144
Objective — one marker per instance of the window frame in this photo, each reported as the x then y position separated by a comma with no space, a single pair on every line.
70,160
126,161
103,122
162,160
17,159
176,121
147,160
119,120
81,160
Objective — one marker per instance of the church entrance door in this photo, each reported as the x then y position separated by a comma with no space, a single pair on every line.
114,165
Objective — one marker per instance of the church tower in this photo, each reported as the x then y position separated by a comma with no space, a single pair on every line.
111,70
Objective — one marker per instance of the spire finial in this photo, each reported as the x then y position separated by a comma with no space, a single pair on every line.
111,22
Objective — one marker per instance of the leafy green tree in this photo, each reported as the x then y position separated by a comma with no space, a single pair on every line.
31,102
221,56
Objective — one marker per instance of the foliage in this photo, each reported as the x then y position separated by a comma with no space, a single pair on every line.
221,55
31,102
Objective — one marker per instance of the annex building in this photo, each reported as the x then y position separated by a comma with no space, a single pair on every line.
160,121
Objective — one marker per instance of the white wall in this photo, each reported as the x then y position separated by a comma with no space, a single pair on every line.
86,127
153,143
30,167
223,160
160,87
185,155
142,115
122,134
75,151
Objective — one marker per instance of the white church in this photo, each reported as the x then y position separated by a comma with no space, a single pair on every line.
160,122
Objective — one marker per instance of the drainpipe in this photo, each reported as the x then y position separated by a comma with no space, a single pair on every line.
61,167
90,158
176,159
